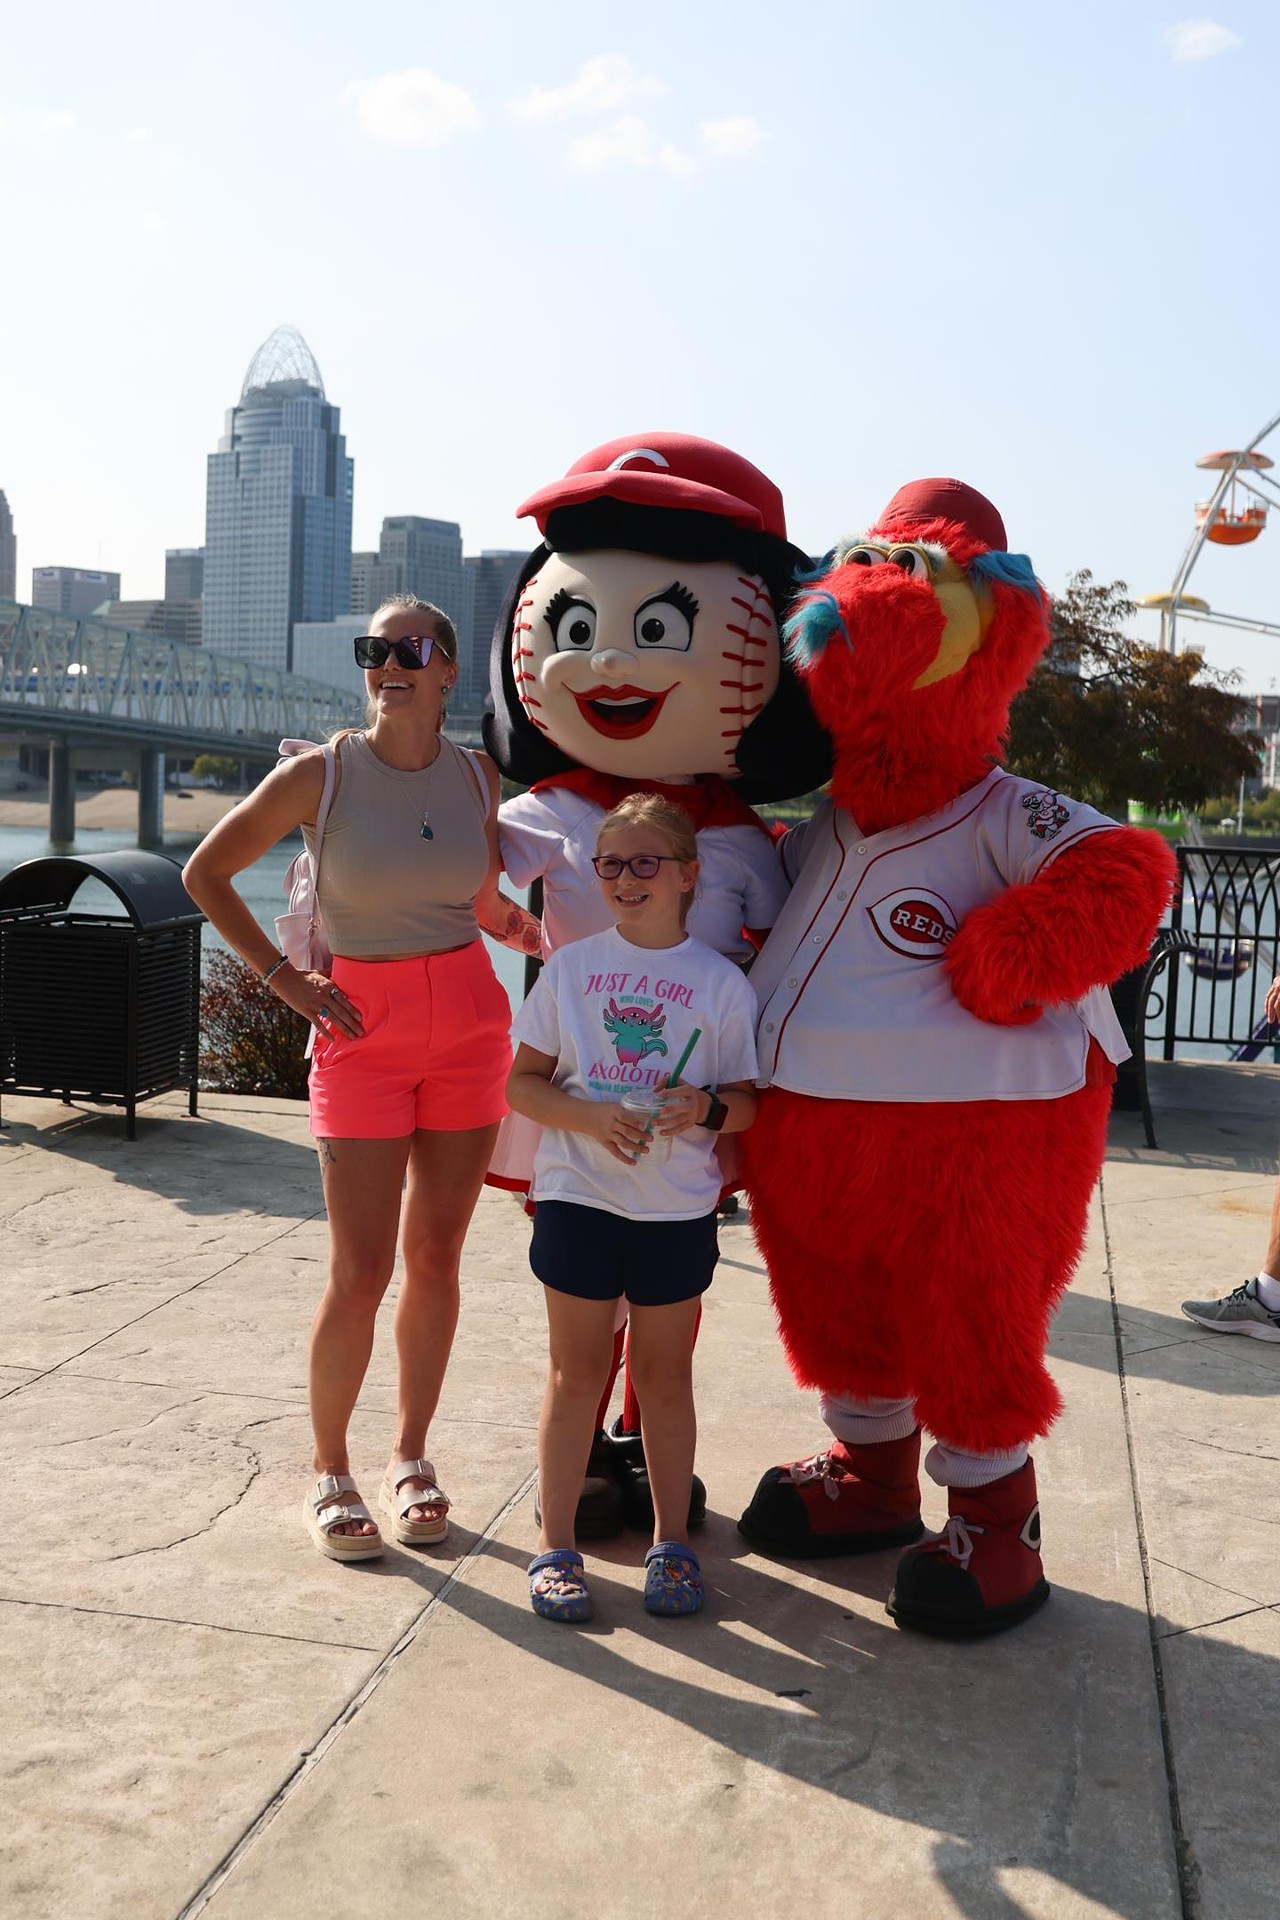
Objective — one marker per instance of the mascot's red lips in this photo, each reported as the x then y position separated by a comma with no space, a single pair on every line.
621,713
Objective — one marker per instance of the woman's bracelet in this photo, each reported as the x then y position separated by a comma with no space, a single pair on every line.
274,969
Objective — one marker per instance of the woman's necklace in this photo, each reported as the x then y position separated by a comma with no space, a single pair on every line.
424,827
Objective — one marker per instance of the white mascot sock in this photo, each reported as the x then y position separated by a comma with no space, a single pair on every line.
952,1467
866,1423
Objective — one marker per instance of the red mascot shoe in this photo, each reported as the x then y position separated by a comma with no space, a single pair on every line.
846,1500
983,1574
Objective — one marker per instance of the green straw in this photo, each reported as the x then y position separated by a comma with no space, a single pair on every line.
683,1061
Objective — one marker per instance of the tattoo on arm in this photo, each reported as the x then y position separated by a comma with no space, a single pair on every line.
519,929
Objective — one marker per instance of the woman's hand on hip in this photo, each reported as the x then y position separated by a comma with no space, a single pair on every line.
315,997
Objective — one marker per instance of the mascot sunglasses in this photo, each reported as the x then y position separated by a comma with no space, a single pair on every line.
412,651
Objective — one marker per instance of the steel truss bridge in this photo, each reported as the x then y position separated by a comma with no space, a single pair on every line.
84,679
74,683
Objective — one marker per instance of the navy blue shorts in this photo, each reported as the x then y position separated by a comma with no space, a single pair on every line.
600,1256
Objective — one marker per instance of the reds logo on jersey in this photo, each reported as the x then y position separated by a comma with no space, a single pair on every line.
1046,815
914,921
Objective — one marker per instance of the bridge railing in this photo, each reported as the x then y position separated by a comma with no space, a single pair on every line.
62,666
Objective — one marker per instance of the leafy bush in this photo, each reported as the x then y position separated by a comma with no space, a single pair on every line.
250,1042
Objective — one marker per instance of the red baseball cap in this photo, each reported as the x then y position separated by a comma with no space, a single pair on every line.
672,470
948,500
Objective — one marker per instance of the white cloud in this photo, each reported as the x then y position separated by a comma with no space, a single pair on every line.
414,108
629,142
727,139
1200,39
601,85
37,120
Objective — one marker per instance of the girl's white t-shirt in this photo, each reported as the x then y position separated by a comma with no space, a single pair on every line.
614,1016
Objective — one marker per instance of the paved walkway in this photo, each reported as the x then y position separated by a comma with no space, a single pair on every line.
203,1716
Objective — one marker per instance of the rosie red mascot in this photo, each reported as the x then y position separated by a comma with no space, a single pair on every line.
939,1051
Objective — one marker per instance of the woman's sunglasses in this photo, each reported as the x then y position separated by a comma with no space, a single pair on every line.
413,651
642,866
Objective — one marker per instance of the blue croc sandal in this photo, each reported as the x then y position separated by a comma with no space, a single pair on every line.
557,1586
673,1579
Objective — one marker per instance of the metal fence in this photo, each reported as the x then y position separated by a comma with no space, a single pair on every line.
1221,952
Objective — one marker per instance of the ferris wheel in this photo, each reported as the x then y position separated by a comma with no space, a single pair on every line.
1234,515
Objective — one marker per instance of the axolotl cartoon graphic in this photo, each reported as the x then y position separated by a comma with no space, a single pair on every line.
636,1032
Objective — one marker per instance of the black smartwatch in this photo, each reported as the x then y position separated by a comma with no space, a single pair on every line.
719,1112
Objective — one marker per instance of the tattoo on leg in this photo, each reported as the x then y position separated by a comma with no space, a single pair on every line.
328,1158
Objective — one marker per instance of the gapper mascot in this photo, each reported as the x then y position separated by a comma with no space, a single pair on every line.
639,652
940,1051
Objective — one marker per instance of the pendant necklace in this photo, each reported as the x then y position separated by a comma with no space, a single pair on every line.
424,831
424,827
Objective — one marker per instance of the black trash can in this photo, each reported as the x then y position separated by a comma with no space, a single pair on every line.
99,1006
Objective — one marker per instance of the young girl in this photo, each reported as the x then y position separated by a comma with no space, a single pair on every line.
615,1215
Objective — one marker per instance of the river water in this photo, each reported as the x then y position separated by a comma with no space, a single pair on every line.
262,885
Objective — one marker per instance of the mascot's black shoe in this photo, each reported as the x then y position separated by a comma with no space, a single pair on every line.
847,1500
600,1512
983,1574
633,1474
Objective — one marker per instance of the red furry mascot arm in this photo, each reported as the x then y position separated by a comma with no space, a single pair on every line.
1084,920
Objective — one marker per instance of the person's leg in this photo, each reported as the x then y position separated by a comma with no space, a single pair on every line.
581,1347
661,1347
446,1172
362,1181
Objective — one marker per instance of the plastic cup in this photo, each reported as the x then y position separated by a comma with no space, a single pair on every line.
645,1104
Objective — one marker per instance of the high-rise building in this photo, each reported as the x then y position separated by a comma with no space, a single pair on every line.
421,557
491,575
278,517
78,591
184,574
8,553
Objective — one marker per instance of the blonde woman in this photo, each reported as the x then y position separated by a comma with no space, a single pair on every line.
411,1051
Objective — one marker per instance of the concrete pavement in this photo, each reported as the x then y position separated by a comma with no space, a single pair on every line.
204,1716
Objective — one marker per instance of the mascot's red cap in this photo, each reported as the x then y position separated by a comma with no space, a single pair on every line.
948,500
671,470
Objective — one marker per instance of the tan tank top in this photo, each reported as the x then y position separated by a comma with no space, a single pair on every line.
384,887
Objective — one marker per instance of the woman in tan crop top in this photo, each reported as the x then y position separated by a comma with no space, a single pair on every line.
412,1041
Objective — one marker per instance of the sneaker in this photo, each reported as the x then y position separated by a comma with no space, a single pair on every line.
1239,1312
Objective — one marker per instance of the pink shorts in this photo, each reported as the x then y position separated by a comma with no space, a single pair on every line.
435,1052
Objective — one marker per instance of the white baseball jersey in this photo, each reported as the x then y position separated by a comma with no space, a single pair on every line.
552,835
854,1000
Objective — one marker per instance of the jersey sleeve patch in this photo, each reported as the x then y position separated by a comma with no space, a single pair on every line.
1047,813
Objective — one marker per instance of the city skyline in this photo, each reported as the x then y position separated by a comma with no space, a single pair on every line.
1005,243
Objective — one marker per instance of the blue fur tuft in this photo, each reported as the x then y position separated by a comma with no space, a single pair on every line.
807,631
803,576
1006,570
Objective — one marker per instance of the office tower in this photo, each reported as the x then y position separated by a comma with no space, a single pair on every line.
8,553
278,517
169,619
421,557
184,574
491,575
78,591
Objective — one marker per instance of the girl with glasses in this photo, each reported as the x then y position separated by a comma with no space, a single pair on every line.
411,1041
623,1210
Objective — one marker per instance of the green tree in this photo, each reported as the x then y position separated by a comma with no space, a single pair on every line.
1109,720
218,767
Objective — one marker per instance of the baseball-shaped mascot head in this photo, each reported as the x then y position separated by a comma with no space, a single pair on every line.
641,638
912,639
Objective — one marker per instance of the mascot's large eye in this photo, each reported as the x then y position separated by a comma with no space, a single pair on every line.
666,620
572,623
863,557
911,560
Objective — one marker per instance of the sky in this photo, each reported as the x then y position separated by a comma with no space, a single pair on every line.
1028,246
